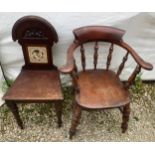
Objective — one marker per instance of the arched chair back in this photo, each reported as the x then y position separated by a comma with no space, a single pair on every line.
36,36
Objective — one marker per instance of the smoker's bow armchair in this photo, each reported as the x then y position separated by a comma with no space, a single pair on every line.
100,88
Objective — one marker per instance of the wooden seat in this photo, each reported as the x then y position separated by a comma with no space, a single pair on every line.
108,91
35,86
100,88
39,80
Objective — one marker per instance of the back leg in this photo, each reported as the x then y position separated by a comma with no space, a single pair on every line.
58,108
125,117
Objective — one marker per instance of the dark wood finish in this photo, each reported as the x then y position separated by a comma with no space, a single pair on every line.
98,33
39,85
58,109
133,76
101,88
14,109
109,56
94,36
96,47
33,30
83,59
38,81
122,64
75,120
125,117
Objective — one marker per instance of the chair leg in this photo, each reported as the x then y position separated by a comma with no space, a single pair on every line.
75,120
58,109
14,109
125,117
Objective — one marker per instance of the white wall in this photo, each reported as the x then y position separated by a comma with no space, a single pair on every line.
140,34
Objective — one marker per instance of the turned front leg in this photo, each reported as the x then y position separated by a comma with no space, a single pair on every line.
75,119
14,109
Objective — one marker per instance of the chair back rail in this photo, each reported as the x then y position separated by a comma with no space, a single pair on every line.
98,33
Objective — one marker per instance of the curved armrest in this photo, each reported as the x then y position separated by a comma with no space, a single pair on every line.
138,59
69,67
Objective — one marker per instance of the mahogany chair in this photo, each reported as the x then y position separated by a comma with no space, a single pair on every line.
100,88
38,81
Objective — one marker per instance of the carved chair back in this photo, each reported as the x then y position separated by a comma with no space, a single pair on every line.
36,36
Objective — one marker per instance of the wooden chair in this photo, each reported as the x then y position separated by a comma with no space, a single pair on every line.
38,81
100,88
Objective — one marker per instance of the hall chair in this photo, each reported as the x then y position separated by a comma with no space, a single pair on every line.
38,81
100,89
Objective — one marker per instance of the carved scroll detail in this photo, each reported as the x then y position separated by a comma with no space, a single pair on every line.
34,33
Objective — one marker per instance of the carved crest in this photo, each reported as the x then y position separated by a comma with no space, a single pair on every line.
32,27
34,33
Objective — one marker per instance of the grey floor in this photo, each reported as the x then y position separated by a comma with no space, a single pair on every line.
40,121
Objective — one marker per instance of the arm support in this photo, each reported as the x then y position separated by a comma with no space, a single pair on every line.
137,58
69,67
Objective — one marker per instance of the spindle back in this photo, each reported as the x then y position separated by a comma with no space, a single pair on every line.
98,34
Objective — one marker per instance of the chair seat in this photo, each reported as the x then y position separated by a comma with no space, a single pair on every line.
101,89
35,86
